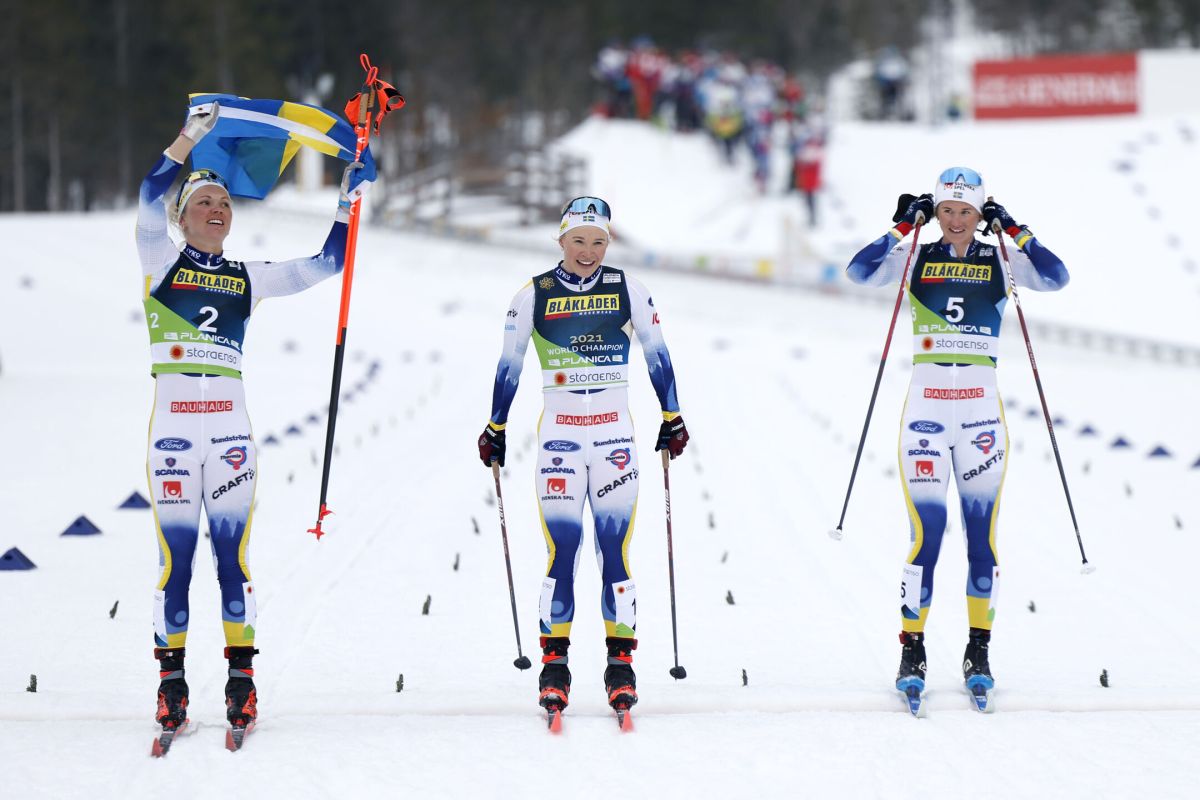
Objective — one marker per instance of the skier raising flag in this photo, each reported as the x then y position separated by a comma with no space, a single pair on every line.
953,422
201,450
579,315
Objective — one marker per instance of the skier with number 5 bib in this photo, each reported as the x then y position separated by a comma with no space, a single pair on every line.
580,315
201,450
952,427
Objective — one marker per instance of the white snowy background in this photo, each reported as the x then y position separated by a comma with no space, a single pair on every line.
774,383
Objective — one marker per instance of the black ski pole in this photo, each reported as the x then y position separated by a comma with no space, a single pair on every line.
677,672
836,533
1037,379
522,661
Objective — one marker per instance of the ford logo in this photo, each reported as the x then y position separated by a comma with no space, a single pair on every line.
171,443
560,446
925,426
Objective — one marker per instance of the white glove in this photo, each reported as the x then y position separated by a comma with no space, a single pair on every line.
198,125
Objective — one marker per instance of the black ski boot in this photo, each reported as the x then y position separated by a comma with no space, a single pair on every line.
975,660
977,673
172,688
619,680
912,661
554,684
241,699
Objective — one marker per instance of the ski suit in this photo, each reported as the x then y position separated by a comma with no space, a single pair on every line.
201,451
586,449
952,426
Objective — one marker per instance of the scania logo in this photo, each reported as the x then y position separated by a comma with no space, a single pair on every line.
560,446
171,443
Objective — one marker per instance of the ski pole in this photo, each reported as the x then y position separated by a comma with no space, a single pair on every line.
366,99
522,661
836,533
1037,379
677,672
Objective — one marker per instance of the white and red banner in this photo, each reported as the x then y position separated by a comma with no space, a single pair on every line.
1056,86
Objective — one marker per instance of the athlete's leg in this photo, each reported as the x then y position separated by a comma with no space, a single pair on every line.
173,470
980,462
230,470
561,485
925,471
613,489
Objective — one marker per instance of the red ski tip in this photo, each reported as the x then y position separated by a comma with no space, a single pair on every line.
626,720
555,722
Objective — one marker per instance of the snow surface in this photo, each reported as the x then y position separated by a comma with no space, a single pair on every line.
773,383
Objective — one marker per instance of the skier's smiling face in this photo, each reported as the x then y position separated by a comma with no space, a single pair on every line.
583,250
207,218
959,221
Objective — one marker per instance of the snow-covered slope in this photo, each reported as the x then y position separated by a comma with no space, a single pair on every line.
773,382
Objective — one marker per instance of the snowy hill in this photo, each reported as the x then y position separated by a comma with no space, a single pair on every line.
773,383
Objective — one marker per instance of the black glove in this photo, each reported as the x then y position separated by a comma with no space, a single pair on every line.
910,210
491,446
672,436
994,213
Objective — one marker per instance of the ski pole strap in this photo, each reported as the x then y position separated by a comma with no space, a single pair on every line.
378,94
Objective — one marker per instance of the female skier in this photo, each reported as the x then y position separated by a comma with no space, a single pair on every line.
201,451
953,424
579,315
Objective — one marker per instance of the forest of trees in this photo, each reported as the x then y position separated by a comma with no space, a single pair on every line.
93,89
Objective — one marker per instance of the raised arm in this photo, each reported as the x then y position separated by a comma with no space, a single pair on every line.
882,261
279,278
156,251
1033,265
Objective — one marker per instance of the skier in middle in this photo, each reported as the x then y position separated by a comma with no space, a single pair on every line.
580,314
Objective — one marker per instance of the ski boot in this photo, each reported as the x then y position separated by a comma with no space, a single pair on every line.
172,689
241,699
554,684
977,673
910,678
619,680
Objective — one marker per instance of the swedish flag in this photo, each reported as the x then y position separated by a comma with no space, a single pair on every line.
254,140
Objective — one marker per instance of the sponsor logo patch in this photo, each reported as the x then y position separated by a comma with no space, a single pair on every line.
556,486
956,272
560,446
587,419
970,393
201,406
561,307
245,477
980,423
924,469
621,481
172,489
172,443
619,458
235,457
192,279
925,426
985,441
984,467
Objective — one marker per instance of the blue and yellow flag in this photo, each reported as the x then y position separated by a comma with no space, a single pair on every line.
254,140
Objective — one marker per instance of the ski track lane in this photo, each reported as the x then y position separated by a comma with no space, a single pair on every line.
814,621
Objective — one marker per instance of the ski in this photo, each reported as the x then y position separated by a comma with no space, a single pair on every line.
235,737
162,744
624,718
979,687
554,718
913,690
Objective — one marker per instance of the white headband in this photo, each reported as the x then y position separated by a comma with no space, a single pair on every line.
572,220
